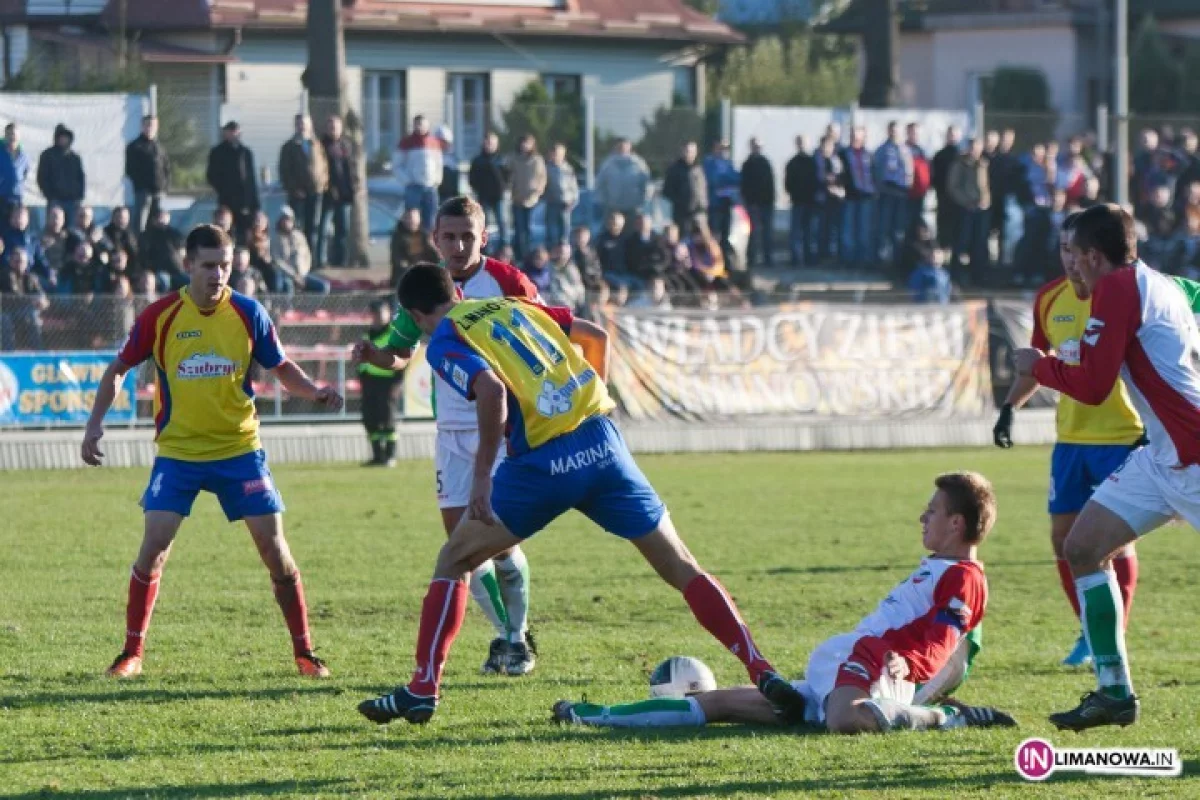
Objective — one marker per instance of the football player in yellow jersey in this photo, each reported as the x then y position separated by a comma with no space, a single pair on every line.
201,340
517,361
1092,441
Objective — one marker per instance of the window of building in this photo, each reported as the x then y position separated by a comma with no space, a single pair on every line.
684,93
562,88
383,110
471,94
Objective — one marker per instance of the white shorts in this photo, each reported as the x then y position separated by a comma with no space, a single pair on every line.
454,460
821,675
1147,494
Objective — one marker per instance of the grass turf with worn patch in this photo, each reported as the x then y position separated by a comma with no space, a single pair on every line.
806,543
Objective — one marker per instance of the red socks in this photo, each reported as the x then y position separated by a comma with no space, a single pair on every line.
442,615
143,590
1126,568
715,610
1068,583
289,593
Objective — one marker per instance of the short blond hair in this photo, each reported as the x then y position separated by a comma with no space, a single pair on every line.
971,496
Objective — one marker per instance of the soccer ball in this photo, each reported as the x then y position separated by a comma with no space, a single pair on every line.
680,676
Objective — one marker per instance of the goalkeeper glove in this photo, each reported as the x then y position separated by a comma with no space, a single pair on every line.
1002,433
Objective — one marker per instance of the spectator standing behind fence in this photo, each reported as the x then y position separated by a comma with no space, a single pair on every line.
161,251
121,235
279,279
645,252
587,259
418,168
380,392
611,253
562,195
14,169
892,173
947,211
857,242
537,268
60,172
86,229
110,275
80,271
723,186
623,181
921,175
487,180
148,167
304,174
686,187
231,175
339,197
1004,180
968,188
24,300
410,245
758,195
528,174
243,275
18,236
800,182
566,281
450,174
291,251
831,198
929,282
54,239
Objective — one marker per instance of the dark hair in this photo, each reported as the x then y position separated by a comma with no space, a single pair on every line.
461,206
1068,223
207,237
969,495
1109,229
148,117
425,287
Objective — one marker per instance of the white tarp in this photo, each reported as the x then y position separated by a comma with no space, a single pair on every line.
777,128
103,124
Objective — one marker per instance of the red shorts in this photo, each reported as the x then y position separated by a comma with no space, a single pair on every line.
864,665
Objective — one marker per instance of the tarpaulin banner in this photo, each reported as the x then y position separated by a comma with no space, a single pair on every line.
813,359
58,388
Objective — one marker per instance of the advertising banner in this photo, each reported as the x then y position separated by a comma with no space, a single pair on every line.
812,359
58,388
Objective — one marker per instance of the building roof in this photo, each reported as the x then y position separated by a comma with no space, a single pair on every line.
918,15
614,19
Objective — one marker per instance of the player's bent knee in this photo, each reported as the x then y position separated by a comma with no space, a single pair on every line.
845,712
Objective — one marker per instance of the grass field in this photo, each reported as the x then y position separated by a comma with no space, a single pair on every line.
806,543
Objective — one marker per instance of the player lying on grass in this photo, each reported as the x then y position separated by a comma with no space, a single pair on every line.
518,362
894,671
201,340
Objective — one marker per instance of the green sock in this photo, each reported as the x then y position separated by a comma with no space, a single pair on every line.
486,592
658,713
1100,601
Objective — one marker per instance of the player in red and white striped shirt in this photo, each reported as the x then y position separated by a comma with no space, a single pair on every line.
1143,330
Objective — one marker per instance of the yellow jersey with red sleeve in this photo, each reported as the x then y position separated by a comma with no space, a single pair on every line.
204,401
1059,320
552,390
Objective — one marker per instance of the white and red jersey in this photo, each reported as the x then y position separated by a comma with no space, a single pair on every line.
923,619
493,279
1143,330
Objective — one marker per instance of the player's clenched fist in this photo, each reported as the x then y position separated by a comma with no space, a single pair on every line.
1025,358
92,456
328,397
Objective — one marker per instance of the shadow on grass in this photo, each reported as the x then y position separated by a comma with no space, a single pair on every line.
132,693
202,790
838,569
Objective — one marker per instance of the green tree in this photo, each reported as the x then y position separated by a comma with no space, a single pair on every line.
533,111
665,134
804,69
1019,98
1156,76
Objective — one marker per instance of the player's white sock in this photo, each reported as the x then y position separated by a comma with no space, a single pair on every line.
512,574
894,716
659,713
486,591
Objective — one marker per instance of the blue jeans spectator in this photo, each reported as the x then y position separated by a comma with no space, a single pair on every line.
144,205
973,241
762,233
520,243
720,218
424,199
856,231
1013,228
800,235
829,228
316,284
494,215
339,212
893,222
558,224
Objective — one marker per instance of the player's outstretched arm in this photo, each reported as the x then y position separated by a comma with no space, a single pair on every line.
298,383
594,342
383,357
110,384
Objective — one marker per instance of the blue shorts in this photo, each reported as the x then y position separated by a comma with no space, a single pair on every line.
1077,469
589,469
242,484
